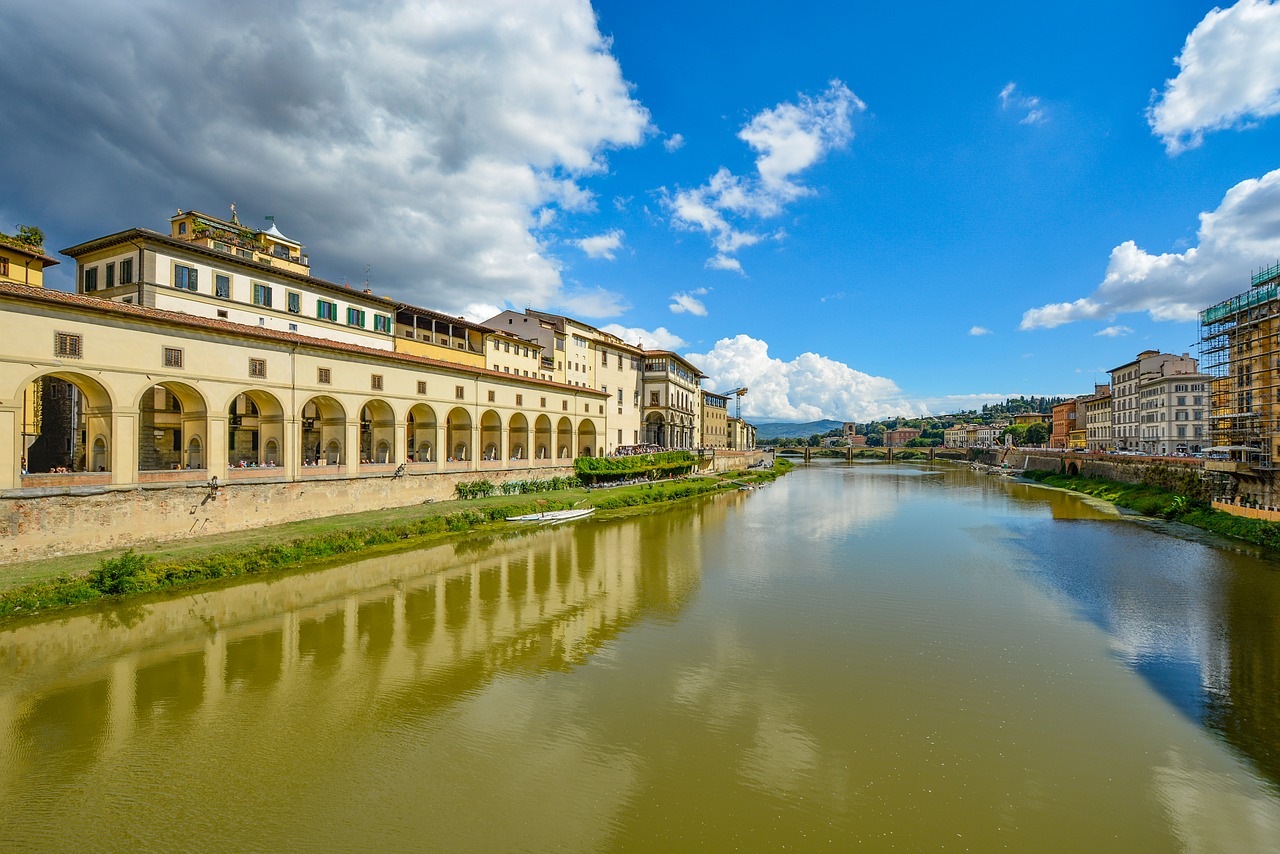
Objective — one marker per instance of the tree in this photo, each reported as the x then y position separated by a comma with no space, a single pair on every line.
1037,434
29,235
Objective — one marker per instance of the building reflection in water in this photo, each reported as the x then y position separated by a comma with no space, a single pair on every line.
391,635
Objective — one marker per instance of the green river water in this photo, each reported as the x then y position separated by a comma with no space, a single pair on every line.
859,656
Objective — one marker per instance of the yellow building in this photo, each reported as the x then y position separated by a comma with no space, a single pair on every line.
715,420
672,398
23,264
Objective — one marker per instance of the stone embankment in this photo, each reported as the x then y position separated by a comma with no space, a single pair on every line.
1103,466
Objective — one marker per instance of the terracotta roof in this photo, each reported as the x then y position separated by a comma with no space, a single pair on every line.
29,252
52,297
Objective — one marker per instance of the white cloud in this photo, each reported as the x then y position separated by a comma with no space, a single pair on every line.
787,140
1027,105
806,388
1113,332
657,339
1243,231
979,330
1229,76
675,142
602,245
439,135
682,302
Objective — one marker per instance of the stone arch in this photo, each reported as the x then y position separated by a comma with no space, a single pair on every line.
170,414
1072,468
421,429
564,439
271,452
64,415
491,435
195,453
586,437
542,438
655,429
518,437
377,432
324,431
458,434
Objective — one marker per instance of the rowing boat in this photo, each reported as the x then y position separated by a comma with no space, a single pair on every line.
553,516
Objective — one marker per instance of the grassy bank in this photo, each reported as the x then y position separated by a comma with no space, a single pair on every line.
45,585
1155,501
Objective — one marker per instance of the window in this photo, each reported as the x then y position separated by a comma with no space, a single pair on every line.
126,271
375,382
422,387
184,277
4,266
459,392
293,327
493,396
355,317
381,323
222,312
604,358
222,286
653,398
172,357
519,400
261,295
326,310
602,409
68,345
619,399
605,389
90,277
111,275
258,368
295,302
323,376
182,228
559,342
543,404
495,367
564,404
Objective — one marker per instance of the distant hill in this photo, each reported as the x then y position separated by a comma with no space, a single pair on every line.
791,429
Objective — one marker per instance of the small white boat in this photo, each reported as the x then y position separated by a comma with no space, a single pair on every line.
553,516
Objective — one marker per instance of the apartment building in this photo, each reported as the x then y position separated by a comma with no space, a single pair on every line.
715,420
671,394
1126,387
1173,407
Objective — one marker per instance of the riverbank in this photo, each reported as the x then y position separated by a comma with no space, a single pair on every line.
1160,503
40,586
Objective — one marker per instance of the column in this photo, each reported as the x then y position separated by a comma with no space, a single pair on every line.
291,447
216,446
122,444
475,445
400,444
351,448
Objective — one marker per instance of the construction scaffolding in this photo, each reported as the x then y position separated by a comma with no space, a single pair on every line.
1239,350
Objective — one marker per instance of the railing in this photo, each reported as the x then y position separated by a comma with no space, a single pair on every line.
1266,273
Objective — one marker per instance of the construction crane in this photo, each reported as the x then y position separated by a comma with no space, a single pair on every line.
738,393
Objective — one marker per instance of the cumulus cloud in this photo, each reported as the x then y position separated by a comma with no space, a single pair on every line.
1228,77
1244,230
602,245
656,339
675,142
688,302
787,140
1113,332
806,388
979,330
1027,106
591,302
435,137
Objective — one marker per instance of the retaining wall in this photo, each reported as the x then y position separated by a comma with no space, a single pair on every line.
56,525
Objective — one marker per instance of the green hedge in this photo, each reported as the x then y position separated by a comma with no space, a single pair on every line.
595,469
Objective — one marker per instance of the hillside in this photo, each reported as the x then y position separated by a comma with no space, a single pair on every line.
791,429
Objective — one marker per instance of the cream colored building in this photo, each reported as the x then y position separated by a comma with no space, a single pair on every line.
715,420
580,355
203,394
742,435
672,400
1126,399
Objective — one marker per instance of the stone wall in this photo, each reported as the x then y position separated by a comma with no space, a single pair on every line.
1105,467
54,525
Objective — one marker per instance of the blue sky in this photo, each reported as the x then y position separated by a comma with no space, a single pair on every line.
858,210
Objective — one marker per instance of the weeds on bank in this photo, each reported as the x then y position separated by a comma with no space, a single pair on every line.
1150,500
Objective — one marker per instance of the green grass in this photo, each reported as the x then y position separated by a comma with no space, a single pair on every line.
39,586
1160,503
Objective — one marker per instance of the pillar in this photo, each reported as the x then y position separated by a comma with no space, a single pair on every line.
400,444
351,447
122,444
11,447
216,446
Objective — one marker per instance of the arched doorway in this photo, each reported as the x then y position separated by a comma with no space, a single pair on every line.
518,437
564,439
421,431
377,432
254,418
324,431
655,430
586,437
458,432
542,438
66,424
491,435
171,415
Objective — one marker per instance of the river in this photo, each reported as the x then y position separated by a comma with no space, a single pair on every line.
867,654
